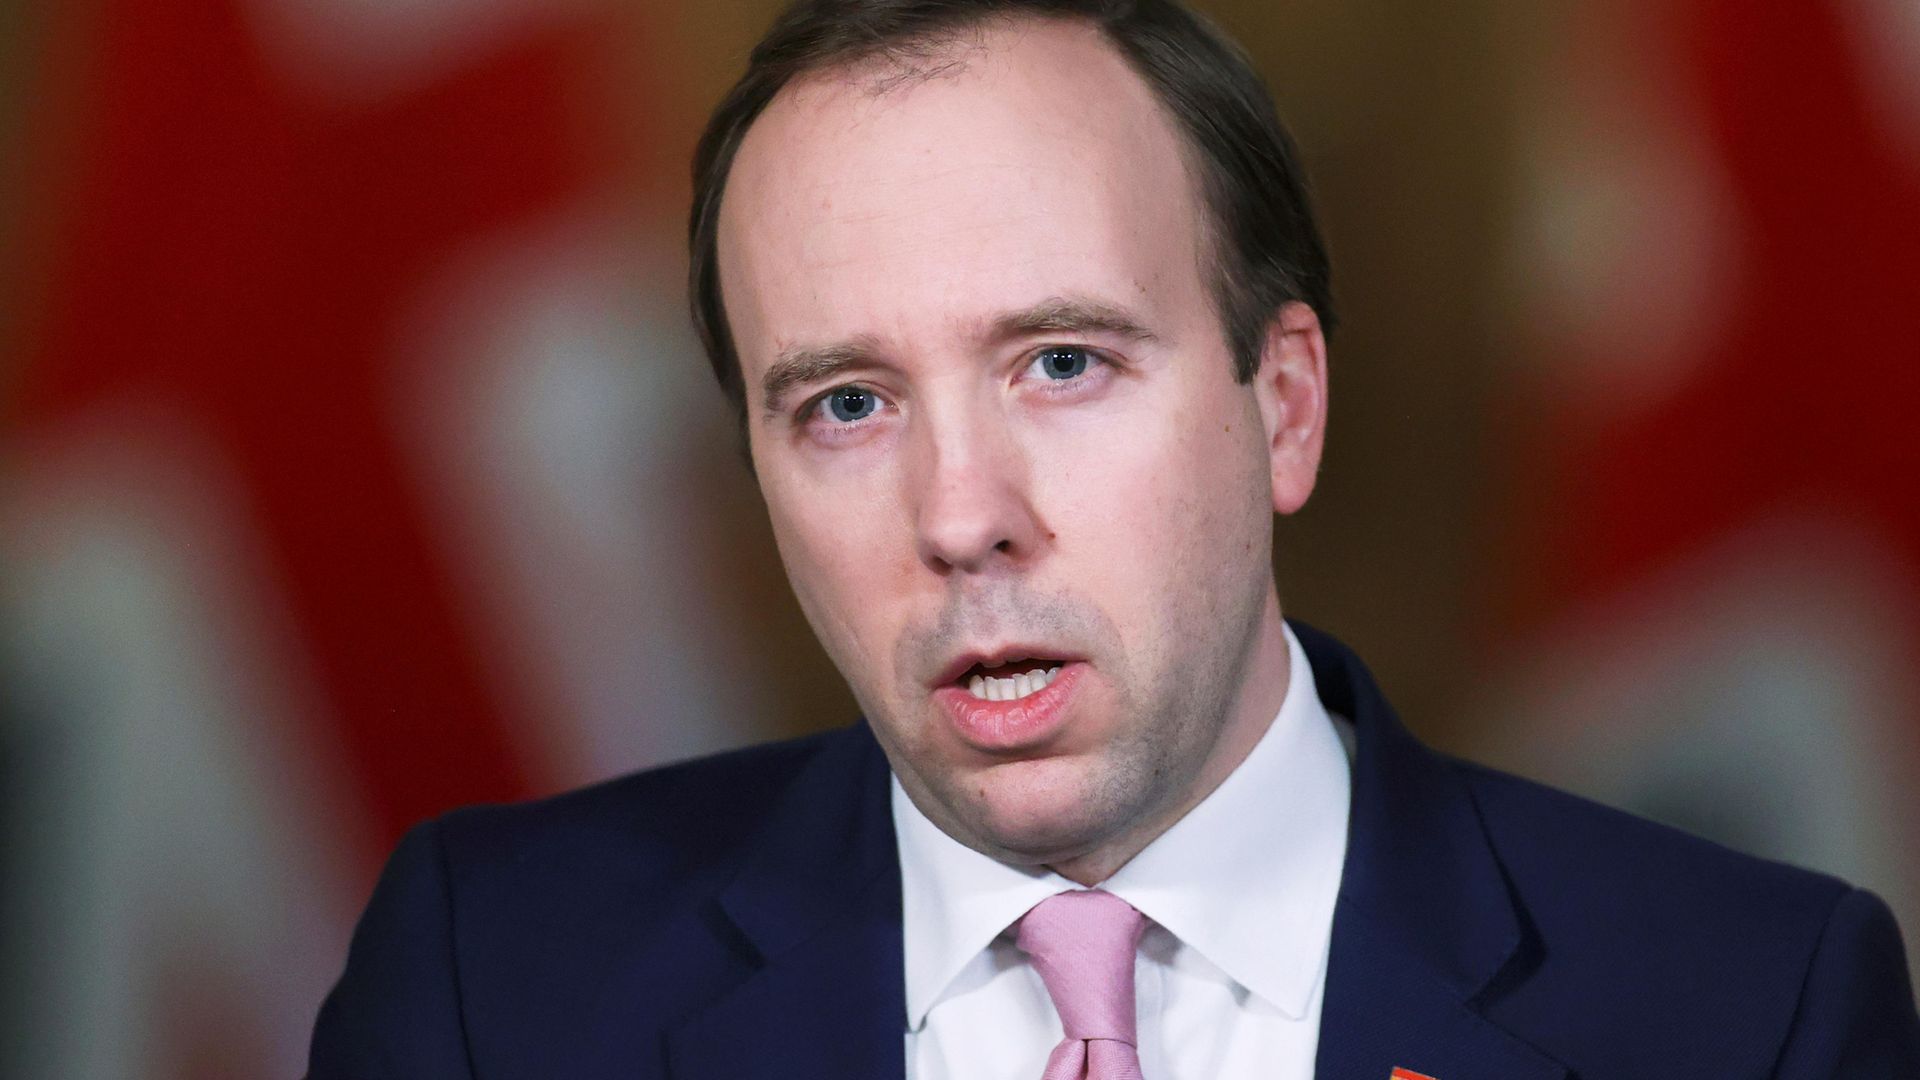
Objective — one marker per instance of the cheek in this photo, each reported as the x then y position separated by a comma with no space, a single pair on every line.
1166,514
841,557
1167,479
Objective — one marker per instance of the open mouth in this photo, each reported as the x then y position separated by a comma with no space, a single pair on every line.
1010,680
1015,699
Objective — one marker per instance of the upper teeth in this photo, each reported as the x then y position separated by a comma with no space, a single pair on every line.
1012,688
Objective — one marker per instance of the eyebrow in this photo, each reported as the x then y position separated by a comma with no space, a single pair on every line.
798,367
1054,315
1071,315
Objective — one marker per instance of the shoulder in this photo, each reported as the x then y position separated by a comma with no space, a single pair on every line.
552,937
1702,951
678,822
1613,871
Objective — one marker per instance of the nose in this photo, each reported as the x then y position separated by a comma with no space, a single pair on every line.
969,487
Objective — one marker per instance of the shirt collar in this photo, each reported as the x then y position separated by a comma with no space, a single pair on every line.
1276,829
953,902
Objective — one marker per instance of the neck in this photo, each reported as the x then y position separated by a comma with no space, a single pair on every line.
1262,690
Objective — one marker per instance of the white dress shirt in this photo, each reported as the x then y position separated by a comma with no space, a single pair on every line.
1239,894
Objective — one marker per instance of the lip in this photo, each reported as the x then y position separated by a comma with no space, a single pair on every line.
1006,727
950,674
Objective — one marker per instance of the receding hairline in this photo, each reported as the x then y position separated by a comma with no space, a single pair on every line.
938,52
950,52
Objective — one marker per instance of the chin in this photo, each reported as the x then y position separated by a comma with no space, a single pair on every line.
1039,812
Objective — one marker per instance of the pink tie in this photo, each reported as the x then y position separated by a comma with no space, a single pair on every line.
1082,942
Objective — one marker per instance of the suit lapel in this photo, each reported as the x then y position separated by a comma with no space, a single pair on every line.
1385,1010
1425,926
819,903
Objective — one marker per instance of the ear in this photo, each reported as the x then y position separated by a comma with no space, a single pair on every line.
1291,388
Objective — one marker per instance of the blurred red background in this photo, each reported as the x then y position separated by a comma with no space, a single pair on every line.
356,459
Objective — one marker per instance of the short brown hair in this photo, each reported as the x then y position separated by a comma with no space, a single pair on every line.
1266,247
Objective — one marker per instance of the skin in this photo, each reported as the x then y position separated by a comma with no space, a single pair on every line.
885,227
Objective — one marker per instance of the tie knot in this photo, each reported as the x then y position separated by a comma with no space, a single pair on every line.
1082,942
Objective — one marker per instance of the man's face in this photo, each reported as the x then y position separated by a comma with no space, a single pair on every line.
1006,437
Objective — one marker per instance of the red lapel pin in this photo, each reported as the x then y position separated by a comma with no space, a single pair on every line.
1408,1074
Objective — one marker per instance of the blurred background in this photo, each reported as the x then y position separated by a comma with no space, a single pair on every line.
357,460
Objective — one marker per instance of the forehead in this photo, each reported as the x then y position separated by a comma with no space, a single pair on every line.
1028,161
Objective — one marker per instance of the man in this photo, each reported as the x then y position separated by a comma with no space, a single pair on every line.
1024,312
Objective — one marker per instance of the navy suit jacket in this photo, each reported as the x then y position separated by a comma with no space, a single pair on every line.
739,917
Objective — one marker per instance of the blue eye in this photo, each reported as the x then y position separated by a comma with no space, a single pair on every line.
1061,362
849,403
